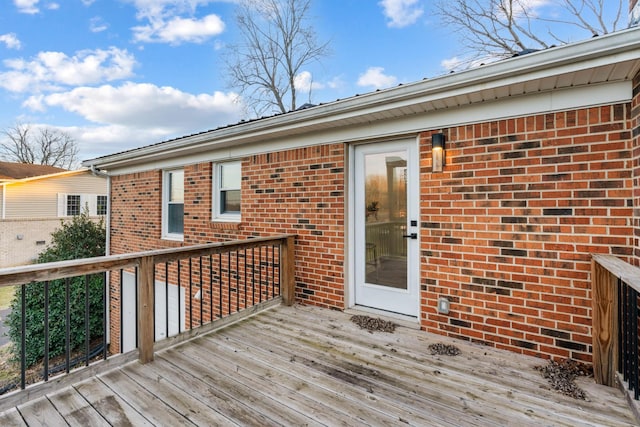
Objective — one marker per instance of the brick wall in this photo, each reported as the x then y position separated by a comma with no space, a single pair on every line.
508,228
298,191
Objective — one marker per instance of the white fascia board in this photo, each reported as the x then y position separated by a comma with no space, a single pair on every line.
614,48
407,126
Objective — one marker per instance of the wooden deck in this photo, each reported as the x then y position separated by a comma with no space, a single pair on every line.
298,366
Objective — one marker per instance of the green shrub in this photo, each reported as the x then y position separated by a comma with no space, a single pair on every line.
78,238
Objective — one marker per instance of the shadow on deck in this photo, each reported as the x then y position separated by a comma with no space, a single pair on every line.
308,366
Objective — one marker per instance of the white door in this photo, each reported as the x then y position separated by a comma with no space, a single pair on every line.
386,227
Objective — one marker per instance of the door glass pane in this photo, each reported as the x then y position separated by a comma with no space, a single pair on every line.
386,219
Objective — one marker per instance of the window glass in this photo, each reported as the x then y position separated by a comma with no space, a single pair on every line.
73,204
175,224
176,186
101,205
230,175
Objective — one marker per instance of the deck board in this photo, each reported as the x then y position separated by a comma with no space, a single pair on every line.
308,366
11,418
75,409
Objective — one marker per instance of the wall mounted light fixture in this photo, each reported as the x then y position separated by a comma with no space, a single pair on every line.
437,152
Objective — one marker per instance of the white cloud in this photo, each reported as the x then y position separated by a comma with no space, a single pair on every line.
53,6
166,22
88,2
10,40
304,82
451,64
132,114
144,105
375,77
401,13
97,25
27,6
179,30
53,70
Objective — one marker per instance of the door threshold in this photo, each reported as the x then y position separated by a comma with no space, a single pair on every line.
403,320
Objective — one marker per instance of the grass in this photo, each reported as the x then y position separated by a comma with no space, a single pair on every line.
6,296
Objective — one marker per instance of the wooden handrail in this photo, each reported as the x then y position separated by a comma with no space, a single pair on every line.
58,270
146,262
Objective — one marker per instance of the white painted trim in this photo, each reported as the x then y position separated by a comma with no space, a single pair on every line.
407,126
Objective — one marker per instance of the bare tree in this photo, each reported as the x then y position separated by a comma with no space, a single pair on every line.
494,29
276,44
25,143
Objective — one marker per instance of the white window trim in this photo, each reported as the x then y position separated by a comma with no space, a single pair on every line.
215,196
165,211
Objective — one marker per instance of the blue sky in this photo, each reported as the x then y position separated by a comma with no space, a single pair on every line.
119,74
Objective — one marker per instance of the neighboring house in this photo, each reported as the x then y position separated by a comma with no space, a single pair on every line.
541,159
34,199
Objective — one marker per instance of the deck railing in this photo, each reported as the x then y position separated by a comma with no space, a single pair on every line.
210,282
615,287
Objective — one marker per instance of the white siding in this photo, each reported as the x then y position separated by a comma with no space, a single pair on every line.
39,198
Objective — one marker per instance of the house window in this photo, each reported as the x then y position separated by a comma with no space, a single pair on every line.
226,191
173,208
73,205
101,205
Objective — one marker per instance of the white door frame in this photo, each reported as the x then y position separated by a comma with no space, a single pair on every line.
413,260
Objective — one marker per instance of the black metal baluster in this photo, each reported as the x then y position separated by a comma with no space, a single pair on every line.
190,294
220,283
46,331
279,270
86,320
634,343
211,287
68,325
626,334
260,272
245,277
180,329
201,291
105,299
273,271
121,312
23,338
166,298
229,281
253,276
237,273
136,302
620,326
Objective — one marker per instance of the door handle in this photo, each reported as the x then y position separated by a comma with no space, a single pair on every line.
413,236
